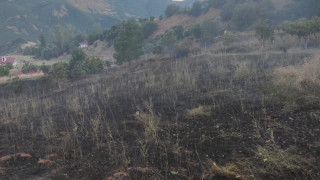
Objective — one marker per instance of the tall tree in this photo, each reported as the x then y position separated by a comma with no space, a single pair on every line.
75,68
63,36
264,31
128,44
42,41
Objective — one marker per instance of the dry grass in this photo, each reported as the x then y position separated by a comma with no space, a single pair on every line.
279,162
100,49
200,111
90,111
4,80
184,20
227,172
297,76
93,6
150,121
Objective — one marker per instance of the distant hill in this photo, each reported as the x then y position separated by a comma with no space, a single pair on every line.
22,21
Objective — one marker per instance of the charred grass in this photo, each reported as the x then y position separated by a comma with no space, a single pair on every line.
201,117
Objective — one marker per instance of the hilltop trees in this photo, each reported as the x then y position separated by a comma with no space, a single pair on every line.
172,9
128,44
303,28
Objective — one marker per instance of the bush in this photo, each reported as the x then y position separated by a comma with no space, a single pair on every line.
195,31
229,38
28,67
75,67
168,39
209,29
264,31
93,65
45,68
178,30
4,71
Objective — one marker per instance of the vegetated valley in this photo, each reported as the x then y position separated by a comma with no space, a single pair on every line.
206,99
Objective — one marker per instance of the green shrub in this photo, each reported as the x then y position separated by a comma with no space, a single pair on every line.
75,67
28,67
4,71
93,65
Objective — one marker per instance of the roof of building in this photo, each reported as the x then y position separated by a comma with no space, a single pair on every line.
84,43
10,60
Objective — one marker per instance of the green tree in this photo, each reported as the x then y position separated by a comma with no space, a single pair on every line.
178,31
128,44
195,31
93,65
28,67
229,37
172,9
210,29
303,28
63,36
264,31
42,41
4,71
75,67
168,39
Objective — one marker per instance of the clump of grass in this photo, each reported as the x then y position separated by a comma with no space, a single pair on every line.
216,172
297,86
200,111
279,162
150,120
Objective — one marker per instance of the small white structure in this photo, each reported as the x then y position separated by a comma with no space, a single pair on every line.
83,44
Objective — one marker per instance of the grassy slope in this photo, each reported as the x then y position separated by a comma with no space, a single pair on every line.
205,116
